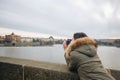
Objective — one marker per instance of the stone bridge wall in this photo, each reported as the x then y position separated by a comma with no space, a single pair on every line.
21,69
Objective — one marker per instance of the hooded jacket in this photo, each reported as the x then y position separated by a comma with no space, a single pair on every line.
81,56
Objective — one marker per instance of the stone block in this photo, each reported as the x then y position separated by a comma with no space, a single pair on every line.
32,73
10,71
115,74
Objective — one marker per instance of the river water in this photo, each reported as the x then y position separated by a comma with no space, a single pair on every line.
110,56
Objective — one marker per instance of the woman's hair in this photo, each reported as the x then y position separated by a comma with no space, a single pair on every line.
68,41
79,35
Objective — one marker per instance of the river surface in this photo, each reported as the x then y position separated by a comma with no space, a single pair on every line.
110,56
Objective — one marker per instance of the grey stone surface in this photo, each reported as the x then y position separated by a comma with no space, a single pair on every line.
115,74
32,73
10,71
36,70
21,69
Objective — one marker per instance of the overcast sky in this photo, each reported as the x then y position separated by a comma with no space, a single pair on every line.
97,18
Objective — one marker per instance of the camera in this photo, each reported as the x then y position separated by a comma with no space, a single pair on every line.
68,41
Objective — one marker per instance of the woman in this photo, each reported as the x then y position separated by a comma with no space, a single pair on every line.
81,56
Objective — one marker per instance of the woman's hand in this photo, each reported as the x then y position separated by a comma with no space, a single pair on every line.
64,45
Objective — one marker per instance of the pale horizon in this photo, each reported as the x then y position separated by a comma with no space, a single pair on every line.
7,31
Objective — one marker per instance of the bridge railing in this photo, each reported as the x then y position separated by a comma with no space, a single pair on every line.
21,69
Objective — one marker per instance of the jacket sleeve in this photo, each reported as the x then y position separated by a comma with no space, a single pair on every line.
67,60
71,62
72,65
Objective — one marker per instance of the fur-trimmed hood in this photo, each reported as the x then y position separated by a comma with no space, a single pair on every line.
77,43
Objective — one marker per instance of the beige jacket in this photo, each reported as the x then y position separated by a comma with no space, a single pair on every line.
81,56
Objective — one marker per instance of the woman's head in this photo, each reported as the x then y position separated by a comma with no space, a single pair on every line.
79,35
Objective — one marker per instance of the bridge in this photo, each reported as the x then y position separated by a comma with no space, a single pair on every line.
22,69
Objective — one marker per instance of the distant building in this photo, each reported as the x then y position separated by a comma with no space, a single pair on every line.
2,39
26,39
12,38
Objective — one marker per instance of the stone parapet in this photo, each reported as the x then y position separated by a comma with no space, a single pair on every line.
10,71
22,69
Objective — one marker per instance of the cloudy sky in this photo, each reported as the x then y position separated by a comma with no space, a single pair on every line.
97,18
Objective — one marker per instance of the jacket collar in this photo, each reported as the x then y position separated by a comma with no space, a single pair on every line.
77,43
